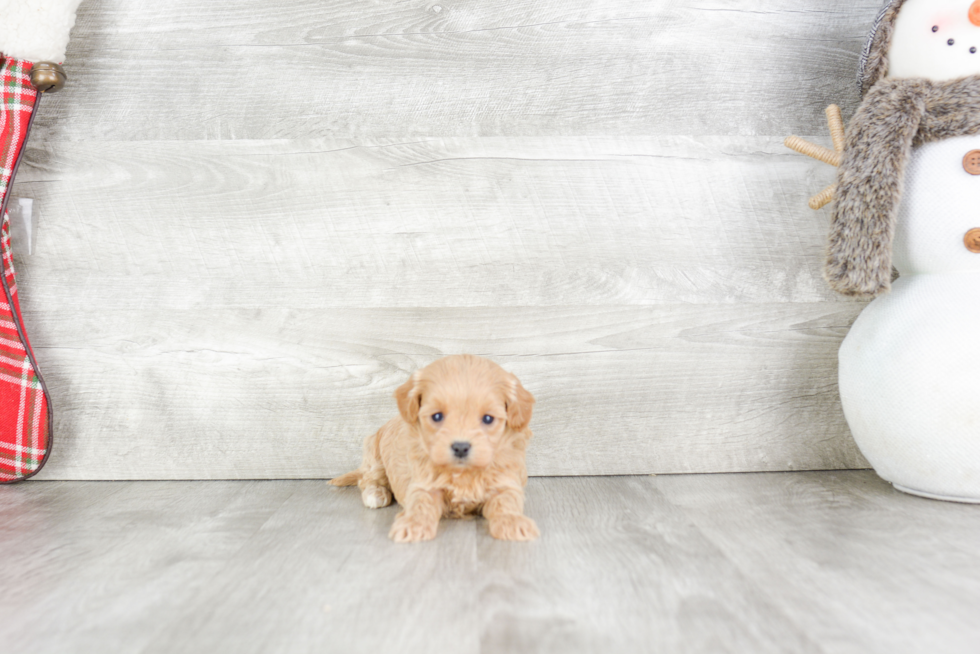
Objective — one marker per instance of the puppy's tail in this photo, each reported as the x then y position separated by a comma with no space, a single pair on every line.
349,479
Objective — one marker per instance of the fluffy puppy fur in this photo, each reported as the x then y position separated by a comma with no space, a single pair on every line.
456,449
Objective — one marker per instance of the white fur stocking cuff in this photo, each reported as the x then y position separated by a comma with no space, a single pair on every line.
36,30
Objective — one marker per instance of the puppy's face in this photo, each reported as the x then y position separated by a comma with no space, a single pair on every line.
465,408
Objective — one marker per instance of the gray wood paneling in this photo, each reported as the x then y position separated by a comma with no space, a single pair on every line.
257,218
195,69
435,223
827,562
258,302
292,393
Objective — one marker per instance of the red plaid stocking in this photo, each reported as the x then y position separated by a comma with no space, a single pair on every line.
25,412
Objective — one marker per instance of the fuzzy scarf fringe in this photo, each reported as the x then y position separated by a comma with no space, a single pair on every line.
896,115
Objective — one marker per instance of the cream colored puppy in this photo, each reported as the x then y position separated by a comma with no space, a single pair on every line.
456,449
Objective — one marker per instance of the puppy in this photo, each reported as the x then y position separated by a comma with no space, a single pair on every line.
457,449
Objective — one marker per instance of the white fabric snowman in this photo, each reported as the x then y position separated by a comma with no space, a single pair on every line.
910,366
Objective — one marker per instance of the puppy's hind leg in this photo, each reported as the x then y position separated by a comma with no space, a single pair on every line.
372,479
375,493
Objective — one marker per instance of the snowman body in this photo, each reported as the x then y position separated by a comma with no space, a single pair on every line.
910,366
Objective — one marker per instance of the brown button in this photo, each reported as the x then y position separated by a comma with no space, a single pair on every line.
971,162
972,240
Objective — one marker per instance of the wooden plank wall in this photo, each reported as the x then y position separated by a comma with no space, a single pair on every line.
258,217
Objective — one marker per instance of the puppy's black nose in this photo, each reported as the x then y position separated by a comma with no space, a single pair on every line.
461,449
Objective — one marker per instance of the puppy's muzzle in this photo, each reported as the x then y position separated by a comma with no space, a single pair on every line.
461,449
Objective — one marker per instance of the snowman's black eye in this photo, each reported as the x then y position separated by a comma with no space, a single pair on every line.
935,28
950,42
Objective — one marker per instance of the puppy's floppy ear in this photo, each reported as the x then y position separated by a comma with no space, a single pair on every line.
520,404
409,398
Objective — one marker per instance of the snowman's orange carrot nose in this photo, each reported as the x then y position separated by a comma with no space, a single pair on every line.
975,13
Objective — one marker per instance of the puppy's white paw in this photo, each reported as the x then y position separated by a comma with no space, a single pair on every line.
513,527
412,530
376,497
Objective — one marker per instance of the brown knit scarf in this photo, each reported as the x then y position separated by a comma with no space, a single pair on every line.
894,116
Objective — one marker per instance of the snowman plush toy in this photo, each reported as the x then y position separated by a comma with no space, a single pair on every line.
908,198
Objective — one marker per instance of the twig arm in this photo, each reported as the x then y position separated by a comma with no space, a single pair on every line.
836,123
818,152
822,199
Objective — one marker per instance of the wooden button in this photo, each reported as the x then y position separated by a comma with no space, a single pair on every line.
972,240
971,162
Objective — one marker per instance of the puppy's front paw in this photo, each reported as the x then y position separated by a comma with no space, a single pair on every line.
412,530
513,527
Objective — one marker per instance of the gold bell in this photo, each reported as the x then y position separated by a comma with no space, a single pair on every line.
48,77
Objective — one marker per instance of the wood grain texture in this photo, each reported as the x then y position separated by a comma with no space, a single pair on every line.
825,562
194,69
846,535
274,393
258,217
252,305
434,223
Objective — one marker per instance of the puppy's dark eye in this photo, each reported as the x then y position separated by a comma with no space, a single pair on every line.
436,417
488,420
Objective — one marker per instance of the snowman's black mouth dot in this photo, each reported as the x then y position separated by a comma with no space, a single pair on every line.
935,28
950,42
973,50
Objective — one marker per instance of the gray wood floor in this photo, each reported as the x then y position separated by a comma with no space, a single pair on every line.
793,562
258,217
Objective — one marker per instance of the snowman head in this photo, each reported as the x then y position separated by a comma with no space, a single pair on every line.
933,39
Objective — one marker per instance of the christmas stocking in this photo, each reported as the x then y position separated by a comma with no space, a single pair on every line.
33,35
